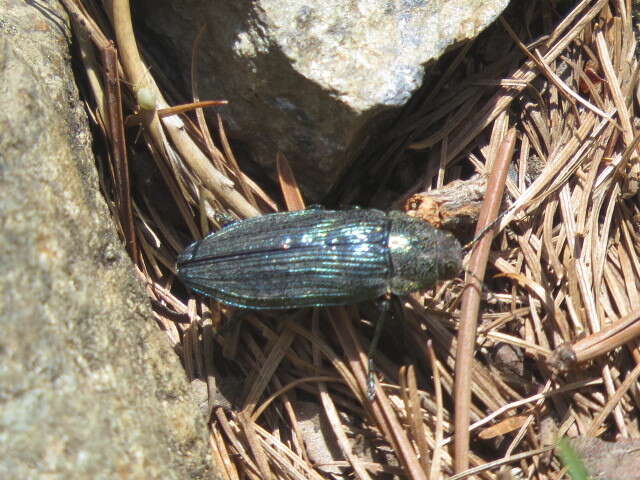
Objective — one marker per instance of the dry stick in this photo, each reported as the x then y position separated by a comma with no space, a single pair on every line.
221,455
413,414
255,446
332,413
86,33
137,118
333,416
288,184
139,78
525,74
502,461
110,108
286,463
600,343
115,126
234,441
290,386
471,302
543,67
629,381
439,433
381,408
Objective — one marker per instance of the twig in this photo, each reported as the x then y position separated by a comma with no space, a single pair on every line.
288,185
139,79
115,126
592,346
436,463
471,302
381,407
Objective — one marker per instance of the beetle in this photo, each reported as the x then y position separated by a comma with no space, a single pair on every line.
318,257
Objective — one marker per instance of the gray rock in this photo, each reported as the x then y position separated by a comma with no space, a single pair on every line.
309,78
617,460
89,387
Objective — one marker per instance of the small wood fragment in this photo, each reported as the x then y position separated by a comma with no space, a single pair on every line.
454,207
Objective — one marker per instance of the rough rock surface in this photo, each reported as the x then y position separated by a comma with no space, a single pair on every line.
609,460
309,78
89,387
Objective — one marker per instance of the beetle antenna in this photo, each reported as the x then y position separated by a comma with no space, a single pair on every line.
483,232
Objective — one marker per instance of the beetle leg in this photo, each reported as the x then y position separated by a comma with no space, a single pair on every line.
371,378
224,219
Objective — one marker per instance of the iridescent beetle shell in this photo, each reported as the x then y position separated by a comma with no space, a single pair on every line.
318,257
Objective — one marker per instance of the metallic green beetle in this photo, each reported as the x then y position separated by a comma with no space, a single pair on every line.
318,257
